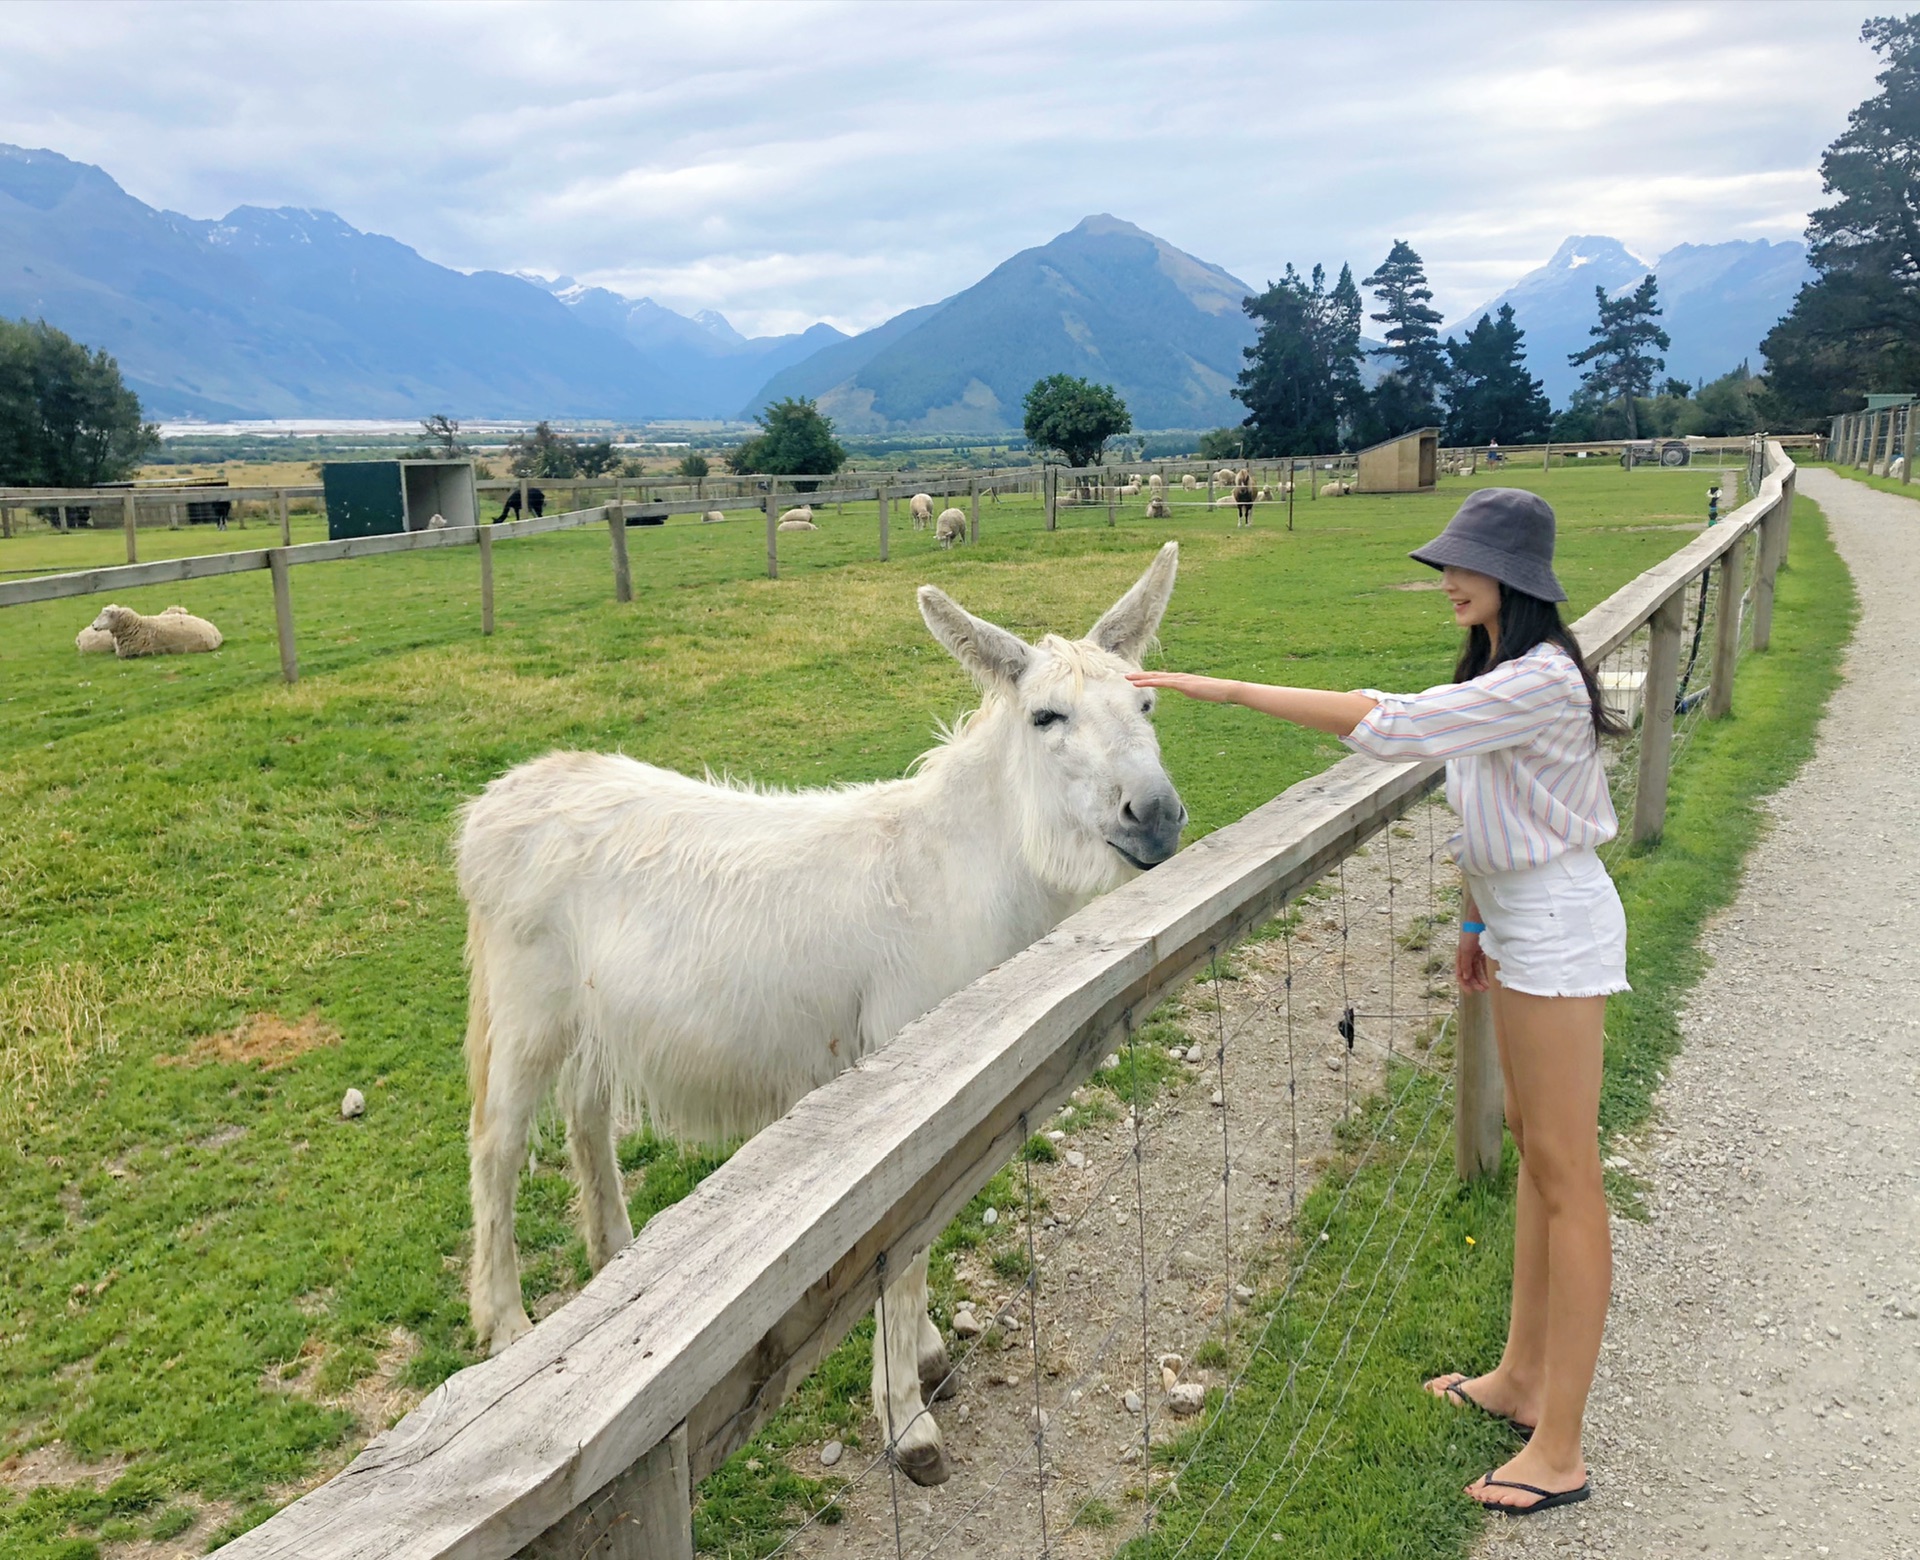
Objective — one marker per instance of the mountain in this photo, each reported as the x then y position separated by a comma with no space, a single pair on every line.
1719,301
1105,300
712,367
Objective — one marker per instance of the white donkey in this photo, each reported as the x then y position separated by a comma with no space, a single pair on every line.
714,952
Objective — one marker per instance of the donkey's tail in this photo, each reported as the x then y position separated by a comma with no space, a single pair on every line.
479,1016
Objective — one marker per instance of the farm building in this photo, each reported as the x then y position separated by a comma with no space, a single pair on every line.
1408,464
382,497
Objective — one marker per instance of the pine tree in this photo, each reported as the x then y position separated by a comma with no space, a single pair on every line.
1856,327
1623,347
1490,393
1409,396
1301,385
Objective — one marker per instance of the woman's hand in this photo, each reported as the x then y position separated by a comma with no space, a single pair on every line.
1470,963
1215,690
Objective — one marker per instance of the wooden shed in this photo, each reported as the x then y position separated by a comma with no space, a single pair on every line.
1408,464
382,497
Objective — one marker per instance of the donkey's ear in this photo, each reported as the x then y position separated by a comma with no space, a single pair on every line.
990,654
1131,622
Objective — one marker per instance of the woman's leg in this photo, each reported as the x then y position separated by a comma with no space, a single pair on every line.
1553,1048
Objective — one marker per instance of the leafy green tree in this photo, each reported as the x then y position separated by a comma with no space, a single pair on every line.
1075,417
1490,394
1409,396
794,438
1223,444
1622,351
1855,328
694,467
1676,390
1301,385
541,452
67,418
595,458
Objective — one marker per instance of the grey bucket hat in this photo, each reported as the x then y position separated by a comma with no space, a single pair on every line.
1504,532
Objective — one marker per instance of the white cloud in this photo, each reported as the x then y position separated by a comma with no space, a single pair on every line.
789,162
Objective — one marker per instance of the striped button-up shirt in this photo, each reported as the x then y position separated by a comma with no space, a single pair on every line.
1523,764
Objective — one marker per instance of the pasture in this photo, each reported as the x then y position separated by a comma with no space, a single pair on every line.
225,901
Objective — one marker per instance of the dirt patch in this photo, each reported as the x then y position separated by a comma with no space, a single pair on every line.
265,1040
53,1466
1416,585
375,1399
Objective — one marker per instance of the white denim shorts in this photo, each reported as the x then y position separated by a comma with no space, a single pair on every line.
1555,930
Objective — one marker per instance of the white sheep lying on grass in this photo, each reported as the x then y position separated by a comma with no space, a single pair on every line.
921,508
1224,501
1189,481
174,632
798,525
1157,508
1223,478
97,641
714,517
1337,488
1157,484
951,527
804,513
1263,496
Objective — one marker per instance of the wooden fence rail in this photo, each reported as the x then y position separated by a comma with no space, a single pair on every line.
690,1338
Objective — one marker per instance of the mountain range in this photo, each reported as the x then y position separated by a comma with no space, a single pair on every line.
1719,300
294,313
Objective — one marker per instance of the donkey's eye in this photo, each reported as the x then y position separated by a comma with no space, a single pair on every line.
1045,718
1146,706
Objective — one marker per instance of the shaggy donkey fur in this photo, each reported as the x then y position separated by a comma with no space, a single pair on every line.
714,952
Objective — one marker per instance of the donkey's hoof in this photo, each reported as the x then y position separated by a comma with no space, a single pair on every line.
925,1465
505,1330
938,1379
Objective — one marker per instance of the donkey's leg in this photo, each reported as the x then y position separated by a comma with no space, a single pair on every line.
588,1103
938,1379
904,1418
496,1148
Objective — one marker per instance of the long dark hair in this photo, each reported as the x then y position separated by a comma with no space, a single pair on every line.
1525,623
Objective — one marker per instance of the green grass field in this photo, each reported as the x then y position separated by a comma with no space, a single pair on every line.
224,901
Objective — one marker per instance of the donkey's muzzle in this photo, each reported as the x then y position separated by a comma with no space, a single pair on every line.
1150,827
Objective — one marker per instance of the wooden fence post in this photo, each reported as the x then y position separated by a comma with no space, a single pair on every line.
1768,564
1726,630
1049,493
974,486
130,523
1106,477
486,578
773,534
622,573
880,494
286,521
1479,1105
283,612
6,522
645,1513
523,511
1657,694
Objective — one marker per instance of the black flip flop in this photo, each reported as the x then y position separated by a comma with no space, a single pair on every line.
1547,1501
1458,1389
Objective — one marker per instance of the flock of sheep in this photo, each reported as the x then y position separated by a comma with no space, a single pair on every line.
127,633
949,526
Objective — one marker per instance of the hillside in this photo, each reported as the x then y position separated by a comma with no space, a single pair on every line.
1105,300
1720,300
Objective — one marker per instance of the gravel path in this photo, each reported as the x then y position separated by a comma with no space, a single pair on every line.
1760,1386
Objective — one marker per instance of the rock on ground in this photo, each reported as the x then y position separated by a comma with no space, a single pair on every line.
1760,1384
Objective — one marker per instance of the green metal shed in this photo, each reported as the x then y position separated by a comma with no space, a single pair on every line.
382,497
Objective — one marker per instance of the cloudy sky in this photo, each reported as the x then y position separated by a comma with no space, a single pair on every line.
790,162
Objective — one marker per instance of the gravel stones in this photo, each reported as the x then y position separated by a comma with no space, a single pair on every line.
353,1103
831,1453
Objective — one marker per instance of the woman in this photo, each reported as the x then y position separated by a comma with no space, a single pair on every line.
1243,495
1542,930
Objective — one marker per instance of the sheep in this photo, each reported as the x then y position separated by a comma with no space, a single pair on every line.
437,523
796,524
1129,490
1338,488
173,632
1157,509
1265,496
1189,481
713,517
97,641
1224,501
1898,470
951,527
1223,478
804,512
1157,484
921,508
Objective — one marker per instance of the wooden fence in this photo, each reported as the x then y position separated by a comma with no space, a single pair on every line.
1883,443
588,1434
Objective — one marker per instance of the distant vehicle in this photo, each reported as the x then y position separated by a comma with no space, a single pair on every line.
1656,452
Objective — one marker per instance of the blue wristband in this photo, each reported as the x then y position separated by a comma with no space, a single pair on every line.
1476,927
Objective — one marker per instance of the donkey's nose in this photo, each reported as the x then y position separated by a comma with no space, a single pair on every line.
1151,823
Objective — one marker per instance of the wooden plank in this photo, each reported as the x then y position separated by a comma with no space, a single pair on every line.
646,1513
172,495
503,1450
1479,1106
1726,631
123,577
1656,720
278,562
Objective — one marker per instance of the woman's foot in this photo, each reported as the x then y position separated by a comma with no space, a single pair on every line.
1492,1394
1528,1482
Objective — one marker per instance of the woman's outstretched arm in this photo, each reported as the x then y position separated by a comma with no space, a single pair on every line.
1338,713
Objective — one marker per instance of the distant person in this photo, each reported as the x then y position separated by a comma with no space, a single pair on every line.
1494,456
536,501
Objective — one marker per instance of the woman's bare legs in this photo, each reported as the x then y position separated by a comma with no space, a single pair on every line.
1551,1048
